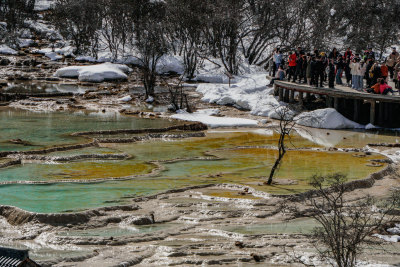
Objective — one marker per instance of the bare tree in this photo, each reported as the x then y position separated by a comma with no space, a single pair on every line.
345,226
287,122
150,40
13,13
186,23
79,21
178,98
116,21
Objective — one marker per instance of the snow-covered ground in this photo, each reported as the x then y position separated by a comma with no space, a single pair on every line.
42,5
327,118
95,73
250,92
395,237
6,50
207,116
247,92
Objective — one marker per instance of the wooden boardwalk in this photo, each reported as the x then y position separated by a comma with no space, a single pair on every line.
361,107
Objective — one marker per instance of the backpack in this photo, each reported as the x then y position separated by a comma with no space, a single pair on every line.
371,71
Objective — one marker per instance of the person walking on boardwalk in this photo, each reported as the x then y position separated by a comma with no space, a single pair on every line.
308,69
299,68
333,54
354,66
348,53
292,66
347,70
391,62
357,70
277,60
313,70
396,73
339,70
375,72
384,71
368,73
331,73
304,69
319,72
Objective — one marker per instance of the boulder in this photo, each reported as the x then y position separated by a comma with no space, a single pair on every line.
141,220
4,62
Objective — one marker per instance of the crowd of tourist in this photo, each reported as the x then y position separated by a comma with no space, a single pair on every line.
362,72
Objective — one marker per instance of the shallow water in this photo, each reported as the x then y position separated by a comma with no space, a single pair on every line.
41,130
44,87
297,226
236,156
117,231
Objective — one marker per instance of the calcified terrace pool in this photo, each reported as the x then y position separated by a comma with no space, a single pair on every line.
222,156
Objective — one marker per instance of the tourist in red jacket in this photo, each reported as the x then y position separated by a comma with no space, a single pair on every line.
385,88
292,65
384,71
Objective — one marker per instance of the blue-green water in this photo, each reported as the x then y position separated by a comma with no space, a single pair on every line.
53,128
235,165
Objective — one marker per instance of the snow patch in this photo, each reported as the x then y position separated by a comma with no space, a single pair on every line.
125,98
388,238
25,43
206,116
42,5
53,56
6,50
248,92
95,73
213,78
327,118
170,64
150,100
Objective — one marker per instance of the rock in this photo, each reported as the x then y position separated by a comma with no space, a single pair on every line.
239,244
150,100
4,61
255,257
20,142
52,79
284,182
142,220
3,83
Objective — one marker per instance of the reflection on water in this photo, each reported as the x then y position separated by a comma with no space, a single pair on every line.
115,231
41,130
44,87
343,138
298,226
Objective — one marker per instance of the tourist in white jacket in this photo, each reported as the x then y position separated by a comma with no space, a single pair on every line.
357,72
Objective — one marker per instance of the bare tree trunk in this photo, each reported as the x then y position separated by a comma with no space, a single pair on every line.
281,154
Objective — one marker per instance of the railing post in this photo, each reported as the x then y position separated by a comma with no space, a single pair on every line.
286,96
372,113
276,90
336,103
291,96
356,110
301,98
